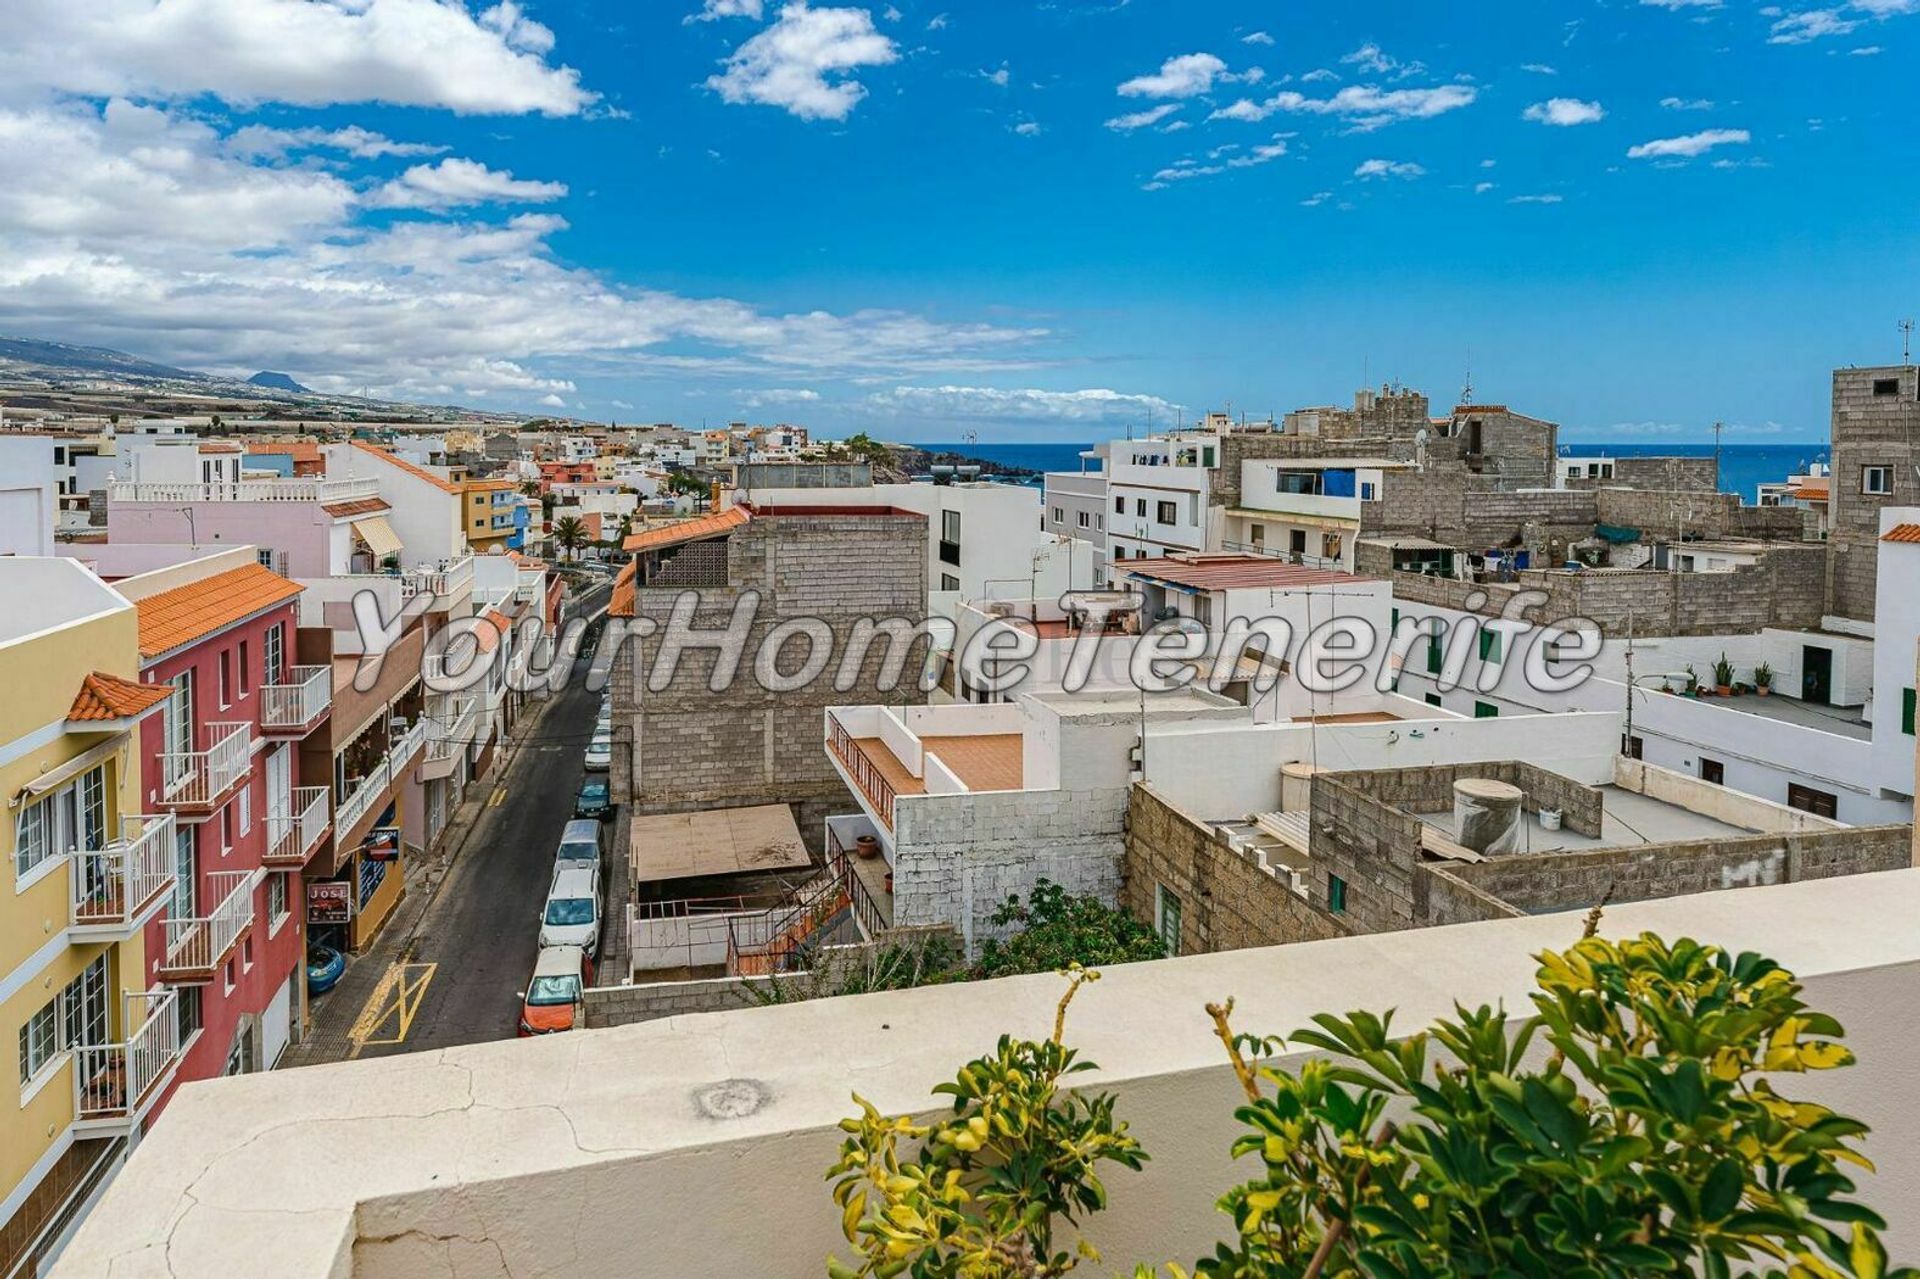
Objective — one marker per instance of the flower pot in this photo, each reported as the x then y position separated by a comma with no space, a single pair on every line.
889,881
867,846
1764,690
1724,690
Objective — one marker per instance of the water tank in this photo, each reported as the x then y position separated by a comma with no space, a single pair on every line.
1296,787
1486,815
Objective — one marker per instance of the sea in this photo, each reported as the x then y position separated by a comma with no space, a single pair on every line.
1743,467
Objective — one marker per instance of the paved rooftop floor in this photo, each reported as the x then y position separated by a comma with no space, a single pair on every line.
1631,821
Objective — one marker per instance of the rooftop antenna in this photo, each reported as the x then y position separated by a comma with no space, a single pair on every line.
1906,341
1466,392
1718,427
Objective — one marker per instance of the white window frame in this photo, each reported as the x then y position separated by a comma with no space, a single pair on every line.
1867,486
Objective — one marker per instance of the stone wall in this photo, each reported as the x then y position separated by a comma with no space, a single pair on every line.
1429,789
687,746
1671,515
1229,899
1699,474
1373,848
1868,430
1451,900
957,858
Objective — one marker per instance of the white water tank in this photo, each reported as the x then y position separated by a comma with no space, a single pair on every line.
1486,815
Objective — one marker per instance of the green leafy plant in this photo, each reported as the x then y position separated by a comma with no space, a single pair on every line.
981,1196
1058,929
1723,673
1763,676
569,534
1651,1142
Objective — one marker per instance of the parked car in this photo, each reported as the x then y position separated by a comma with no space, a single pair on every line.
555,997
600,752
595,800
579,846
325,967
572,913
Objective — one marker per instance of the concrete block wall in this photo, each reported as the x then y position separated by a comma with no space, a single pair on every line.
1868,430
1228,899
1429,789
957,858
1447,899
1372,847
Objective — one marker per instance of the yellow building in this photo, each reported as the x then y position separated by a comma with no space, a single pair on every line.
486,508
97,1039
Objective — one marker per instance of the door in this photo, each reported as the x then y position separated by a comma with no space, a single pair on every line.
1258,535
1816,674
279,782
1297,542
176,730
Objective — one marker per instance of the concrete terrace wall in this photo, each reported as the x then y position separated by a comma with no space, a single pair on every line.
1429,789
1228,899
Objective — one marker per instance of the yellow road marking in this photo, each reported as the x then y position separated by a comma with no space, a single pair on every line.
494,800
396,999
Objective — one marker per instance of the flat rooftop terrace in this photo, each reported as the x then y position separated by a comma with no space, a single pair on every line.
1844,721
1630,821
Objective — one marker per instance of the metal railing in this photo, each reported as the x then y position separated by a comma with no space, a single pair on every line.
783,941
453,730
196,946
293,839
382,776
1300,558
114,1081
112,885
284,490
449,579
201,777
303,699
866,774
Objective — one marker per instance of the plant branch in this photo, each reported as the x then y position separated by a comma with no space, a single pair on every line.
1241,1070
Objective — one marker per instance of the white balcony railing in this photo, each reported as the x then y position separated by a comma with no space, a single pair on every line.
292,839
453,729
284,490
528,583
193,778
112,886
196,946
299,702
114,1082
443,582
380,778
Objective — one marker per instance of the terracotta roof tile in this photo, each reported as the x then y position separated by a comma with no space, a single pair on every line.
358,506
1908,534
108,697
620,603
1232,572
693,530
185,613
418,472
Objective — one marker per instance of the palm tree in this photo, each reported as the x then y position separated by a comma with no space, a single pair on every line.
569,534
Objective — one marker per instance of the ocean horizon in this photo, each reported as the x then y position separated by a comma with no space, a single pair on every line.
1743,467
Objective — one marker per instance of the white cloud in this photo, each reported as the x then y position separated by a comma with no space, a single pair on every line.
1372,60
1866,51
999,77
552,401
1256,37
1319,75
1692,144
1677,5
1028,128
1538,68
1097,404
1317,199
1141,119
1365,107
713,9
1481,188
1564,112
1687,104
775,395
787,64
1814,24
455,183
433,53
259,140
1371,169
1186,76
1535,199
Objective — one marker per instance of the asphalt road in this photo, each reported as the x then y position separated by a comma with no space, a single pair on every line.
481,928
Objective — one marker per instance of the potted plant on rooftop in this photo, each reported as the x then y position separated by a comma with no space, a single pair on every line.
1723,676
1693,682
1763,679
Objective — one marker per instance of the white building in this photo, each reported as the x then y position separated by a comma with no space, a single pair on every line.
29,494
1158,496
1307,510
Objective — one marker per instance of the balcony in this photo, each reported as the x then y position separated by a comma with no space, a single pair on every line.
528,584
115,890
194,784
114,1085
381,779
283,490
196,948
869,778
452,734
293,840
445,583
296,708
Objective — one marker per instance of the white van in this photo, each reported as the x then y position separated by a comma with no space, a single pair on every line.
579,846
572,913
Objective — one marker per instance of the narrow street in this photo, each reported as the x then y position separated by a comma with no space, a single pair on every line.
447,968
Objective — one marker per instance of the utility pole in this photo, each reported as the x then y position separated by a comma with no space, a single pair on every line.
1717,428
1906,341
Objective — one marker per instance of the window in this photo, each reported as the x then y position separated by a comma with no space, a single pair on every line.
77,1015
1336,894
1712,770
1166,918
1369,492
39,1040
226,678
948,582
246,808
1634,748
1119,506
264,555
1434,699
1886,386
1166,513
1490,646
1436,655
950,525
1206,457
187,1011
1808,800
274,652
1876,481
1906,712
1140,507
1085,519
73,816
241,673
1059,516
1485,710
276,898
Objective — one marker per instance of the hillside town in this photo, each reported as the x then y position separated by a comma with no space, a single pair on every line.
335,740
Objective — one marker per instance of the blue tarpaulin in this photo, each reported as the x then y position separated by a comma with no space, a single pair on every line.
1616,534
1337,483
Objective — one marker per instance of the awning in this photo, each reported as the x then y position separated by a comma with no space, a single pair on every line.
74,767
1616,534
378,535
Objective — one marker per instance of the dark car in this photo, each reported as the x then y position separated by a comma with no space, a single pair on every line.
594,799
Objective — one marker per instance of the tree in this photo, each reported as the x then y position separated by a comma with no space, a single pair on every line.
1058,929
1650,1142
982,1195
569,534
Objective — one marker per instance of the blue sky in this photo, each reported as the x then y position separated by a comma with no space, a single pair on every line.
1034,221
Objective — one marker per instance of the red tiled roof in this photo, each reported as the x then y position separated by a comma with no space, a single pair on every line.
418,472
694,530
108,697
620,603
1233,572
186,613
1908,534
358,506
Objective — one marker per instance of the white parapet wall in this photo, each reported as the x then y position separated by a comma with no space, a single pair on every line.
696,1145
